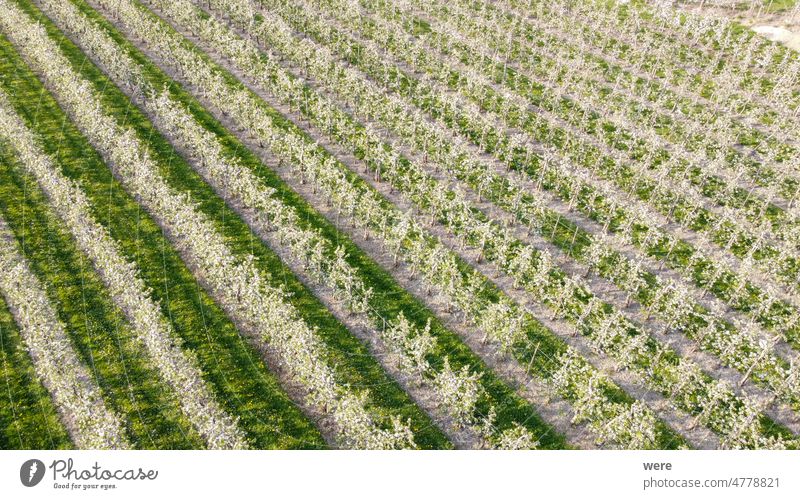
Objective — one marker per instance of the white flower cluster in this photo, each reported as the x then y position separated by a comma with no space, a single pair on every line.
178,368
458,391
635,425
235,283
75,393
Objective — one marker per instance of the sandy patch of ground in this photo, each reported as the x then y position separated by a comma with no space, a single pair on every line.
780,35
